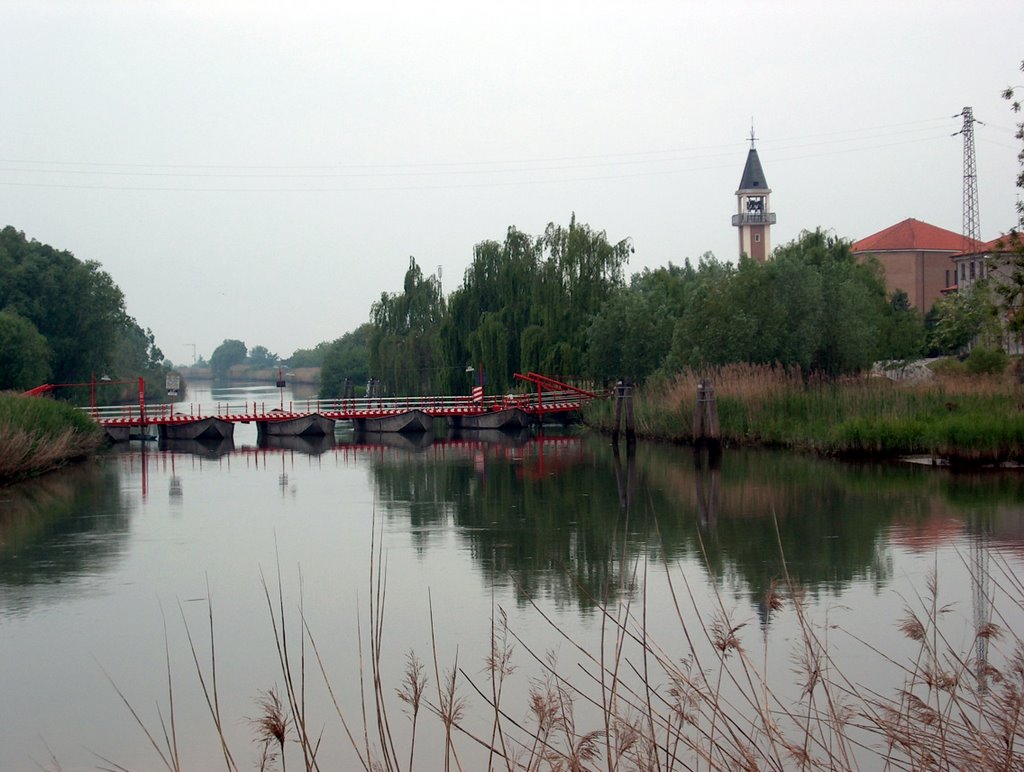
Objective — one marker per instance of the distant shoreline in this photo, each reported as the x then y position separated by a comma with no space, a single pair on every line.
310,375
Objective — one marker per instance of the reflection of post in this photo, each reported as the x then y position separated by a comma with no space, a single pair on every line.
981,601
708,484
625,483
145,472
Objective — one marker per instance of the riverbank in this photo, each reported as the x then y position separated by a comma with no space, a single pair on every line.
310,375
39,434
955,417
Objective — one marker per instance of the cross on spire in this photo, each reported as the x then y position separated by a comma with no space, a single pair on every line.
752,137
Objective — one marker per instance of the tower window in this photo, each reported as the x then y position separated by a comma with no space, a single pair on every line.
757,237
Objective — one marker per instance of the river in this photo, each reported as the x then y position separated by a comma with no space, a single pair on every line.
107,568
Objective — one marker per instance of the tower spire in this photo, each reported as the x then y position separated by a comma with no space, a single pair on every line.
754,216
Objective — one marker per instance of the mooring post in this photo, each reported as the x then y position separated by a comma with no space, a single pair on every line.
698,415
706,432
630,419
618,412
711,414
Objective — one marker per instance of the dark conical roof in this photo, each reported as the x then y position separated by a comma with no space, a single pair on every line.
753,174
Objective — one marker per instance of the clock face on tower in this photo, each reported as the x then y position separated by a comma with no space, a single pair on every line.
755,204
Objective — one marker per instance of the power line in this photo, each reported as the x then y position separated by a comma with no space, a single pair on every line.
438,186
444,167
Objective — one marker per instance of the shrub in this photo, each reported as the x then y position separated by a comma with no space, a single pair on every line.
986,360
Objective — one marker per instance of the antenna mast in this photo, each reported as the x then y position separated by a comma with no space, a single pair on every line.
972,224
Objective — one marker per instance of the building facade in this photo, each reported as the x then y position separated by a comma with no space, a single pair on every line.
985,261
917,258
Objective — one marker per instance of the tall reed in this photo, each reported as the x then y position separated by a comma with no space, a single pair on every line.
38,434
700,700
961,418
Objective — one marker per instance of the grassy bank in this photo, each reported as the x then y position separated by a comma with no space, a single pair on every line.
38,434
958,417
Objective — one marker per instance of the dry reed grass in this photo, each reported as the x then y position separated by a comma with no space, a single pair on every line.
955,416
37,435
699,701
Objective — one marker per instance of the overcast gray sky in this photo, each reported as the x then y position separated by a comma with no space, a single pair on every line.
263,171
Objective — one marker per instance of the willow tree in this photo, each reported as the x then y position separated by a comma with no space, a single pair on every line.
405,344
489,311
580,270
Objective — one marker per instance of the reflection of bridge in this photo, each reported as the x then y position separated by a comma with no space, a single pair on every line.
551,399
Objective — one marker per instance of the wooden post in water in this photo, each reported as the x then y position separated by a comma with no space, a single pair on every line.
706,431
624,399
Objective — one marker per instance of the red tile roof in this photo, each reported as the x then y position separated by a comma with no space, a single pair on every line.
995,246
911,235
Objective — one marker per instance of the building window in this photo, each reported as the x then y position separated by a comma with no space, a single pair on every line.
963,273
972,269
757,237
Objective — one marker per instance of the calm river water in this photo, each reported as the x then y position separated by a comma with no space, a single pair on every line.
105,568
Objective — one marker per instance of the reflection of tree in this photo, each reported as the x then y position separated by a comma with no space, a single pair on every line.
48,528
563,532
546,519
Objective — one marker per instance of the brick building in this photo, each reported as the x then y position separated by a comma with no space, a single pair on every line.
917,258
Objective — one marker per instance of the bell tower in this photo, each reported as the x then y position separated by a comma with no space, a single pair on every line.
754,216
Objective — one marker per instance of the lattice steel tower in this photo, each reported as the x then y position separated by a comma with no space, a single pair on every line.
972,225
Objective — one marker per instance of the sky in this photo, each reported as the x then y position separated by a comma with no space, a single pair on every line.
264,171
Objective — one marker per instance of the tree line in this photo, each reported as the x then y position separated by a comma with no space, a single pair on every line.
63,320
559,303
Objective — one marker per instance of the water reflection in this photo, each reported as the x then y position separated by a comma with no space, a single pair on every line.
567,517
571,520
206,447
312,445
57,531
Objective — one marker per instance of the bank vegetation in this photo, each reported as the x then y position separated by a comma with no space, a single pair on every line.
39,434
951,414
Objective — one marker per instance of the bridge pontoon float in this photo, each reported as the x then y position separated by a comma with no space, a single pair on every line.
188,428
507,419
295,425
407,421
117,433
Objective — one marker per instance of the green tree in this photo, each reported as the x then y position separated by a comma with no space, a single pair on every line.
1011,282
73,304
261,357
135,352
309,357
812,306
904,336
24,355
347,357
963,318
405,344
497,288
228,354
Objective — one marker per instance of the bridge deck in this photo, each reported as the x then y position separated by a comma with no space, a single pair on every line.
339,410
